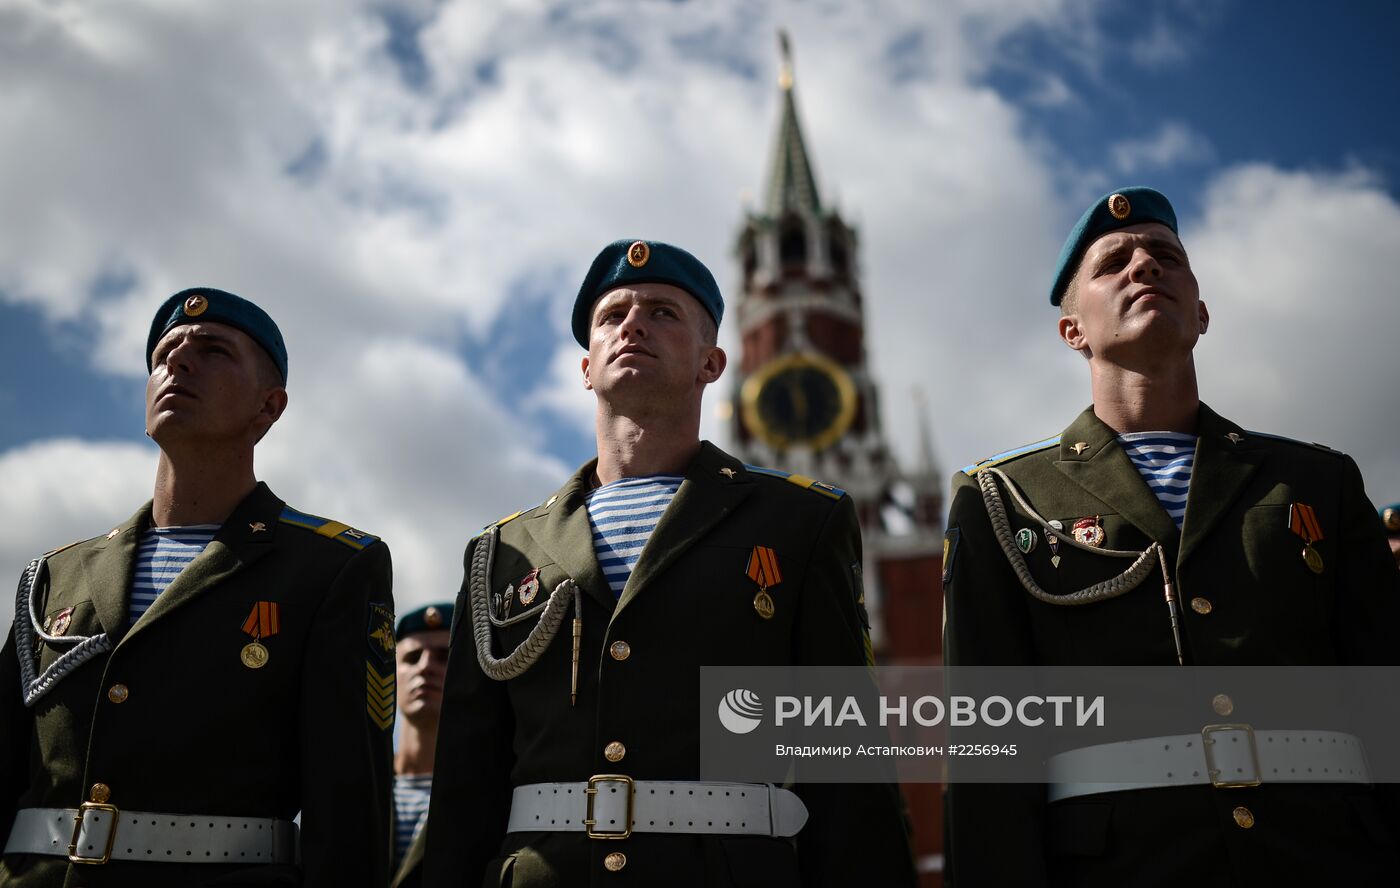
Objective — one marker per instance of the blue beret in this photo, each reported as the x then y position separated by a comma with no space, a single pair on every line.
205,304
627,262
1115,210
425,619
1390,517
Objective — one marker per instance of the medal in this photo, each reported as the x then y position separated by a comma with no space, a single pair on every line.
1302,520
763,570
253,655
1054,541
262,622
61,621
763,603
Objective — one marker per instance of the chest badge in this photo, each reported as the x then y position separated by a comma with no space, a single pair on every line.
1025,540
528,587
1302,520
1089,532
262,622
763,570
61,621
1054,541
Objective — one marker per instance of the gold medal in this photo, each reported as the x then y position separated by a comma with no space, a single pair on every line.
1312,559
763,603
253,655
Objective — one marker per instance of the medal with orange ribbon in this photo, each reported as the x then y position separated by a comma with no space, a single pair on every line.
261,623
1302,520
763,570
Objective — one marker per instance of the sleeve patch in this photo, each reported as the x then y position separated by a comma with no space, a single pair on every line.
380,669
950,552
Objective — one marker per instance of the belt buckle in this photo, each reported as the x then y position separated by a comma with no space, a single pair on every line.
83,809
1213,772
589,821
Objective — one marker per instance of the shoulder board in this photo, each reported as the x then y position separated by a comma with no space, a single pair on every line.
500,521
356,539
53,552
1011,454
1313,444
802,481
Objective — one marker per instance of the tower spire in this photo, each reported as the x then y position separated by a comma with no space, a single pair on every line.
791,185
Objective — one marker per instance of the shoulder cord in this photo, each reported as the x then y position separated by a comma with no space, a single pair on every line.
529,650
29,632
1125,582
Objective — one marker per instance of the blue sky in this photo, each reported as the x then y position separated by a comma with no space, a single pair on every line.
414,189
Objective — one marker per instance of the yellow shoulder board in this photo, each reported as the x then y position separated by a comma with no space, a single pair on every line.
355,539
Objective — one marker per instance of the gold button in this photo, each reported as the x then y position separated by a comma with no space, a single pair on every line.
615,861
614,751
1244,818
118,693
100,793
1201,606
1222,704
620,650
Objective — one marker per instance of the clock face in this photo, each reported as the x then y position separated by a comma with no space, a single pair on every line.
799,400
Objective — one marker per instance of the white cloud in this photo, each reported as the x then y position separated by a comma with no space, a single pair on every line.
1174,144
1295,267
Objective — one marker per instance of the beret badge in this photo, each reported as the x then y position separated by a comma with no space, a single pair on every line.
1391,518
1119,206
638,254
196,305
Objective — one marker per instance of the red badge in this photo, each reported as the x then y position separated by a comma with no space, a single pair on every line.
1089,532
528,587
61,621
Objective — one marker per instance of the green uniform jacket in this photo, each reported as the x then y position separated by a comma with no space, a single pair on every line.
1266,607
199,732
688,603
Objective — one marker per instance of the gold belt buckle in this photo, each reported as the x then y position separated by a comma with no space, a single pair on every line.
1213,772
83,809
589,821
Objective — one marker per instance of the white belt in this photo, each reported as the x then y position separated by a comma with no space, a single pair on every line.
1220,755
98,833
613,806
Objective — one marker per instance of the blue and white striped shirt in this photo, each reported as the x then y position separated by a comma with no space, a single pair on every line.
162,554
623,514
412,792
1165,460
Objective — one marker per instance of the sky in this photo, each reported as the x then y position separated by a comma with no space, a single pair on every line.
414,190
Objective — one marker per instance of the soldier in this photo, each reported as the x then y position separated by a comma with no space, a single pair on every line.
572,688
1273,554
422,663
176,690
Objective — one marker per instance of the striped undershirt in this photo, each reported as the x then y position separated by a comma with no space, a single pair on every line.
412,793
1164,459
163,553
623,514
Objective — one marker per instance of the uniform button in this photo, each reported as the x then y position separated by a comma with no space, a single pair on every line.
615,861
1222,704
118,693
620,650
1244,818
100,793
1201,606
614,751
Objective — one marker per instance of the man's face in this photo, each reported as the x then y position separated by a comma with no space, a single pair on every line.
1135,295
649,342
422,665
210,381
